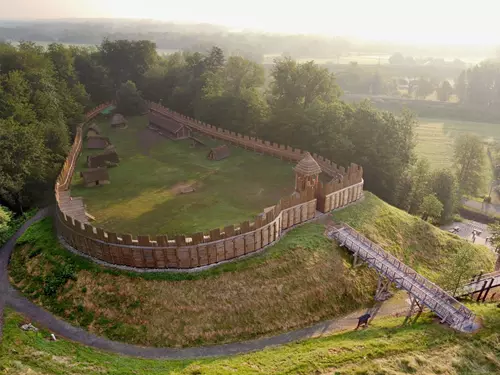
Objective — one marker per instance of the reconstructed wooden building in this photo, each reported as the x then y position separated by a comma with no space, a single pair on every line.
95,177
93,131
118,121
219,153
168,127
104,160
98,142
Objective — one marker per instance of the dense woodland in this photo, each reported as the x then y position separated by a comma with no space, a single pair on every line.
44,93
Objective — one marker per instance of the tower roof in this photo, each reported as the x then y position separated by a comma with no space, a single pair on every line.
307,166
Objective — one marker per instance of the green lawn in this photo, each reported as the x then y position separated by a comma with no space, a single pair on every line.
384,348
141,198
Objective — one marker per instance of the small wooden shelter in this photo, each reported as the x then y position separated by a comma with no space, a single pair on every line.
168,127
118,121
95,177
104,160
93,131
98,142
307,173
219,153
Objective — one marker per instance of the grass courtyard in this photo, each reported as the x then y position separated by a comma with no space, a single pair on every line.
143,196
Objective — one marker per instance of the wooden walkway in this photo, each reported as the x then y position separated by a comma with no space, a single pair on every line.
484,283
73,207
425,292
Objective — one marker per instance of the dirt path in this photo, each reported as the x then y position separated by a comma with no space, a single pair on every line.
12,298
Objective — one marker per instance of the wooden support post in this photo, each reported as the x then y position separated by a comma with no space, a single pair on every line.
488,289
481,291
410,311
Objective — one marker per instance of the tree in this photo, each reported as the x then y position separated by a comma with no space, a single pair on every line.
419,185
5,217
424,88
127,60
129,100
397,59
459,269
469,161
444,91
443,184
431,207
494,228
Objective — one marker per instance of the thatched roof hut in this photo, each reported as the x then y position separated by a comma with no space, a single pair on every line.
95,177
118,121
104,160
307,166
98,142
219,153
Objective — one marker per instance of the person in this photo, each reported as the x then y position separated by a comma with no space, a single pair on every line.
363,320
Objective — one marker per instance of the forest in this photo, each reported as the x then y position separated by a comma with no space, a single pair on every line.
45,91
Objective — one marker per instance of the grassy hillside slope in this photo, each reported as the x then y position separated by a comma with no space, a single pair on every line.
425,248
303,279
385,348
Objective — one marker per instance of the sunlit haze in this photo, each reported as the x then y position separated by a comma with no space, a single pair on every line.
424,21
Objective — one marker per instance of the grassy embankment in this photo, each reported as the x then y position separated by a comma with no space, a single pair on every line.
301,280
144,196
385,348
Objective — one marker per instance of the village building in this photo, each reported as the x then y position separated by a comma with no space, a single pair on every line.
98,142
93,131
219,153
95,177
118,121
168,127
307,173
106,159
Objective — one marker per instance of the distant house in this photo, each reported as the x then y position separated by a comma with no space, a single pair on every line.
219,153
95,177
104,160
98,142
93,131
168,127
118,121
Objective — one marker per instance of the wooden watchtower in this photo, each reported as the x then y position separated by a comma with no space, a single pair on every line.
306,173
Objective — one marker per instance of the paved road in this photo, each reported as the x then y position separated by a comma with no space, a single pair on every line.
12,298
486,208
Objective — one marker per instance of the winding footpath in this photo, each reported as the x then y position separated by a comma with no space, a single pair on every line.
12,298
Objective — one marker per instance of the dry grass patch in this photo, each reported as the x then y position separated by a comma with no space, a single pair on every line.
300,281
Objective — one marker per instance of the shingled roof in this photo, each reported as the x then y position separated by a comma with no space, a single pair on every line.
219,153
101,160
118,119
165,123
98,142
94,174
93,130
308,166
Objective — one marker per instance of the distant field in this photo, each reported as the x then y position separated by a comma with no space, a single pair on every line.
435,138
144,195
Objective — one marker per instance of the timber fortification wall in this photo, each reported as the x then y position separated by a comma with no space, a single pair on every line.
217,245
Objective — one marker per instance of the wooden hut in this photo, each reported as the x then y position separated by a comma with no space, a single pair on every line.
219,153
168,127
93,131
95,177
98,142
118,121
307,173
104,160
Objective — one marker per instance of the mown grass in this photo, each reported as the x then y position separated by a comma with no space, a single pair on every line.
385,348
141,198
299,281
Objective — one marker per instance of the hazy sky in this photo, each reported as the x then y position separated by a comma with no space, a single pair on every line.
429,21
